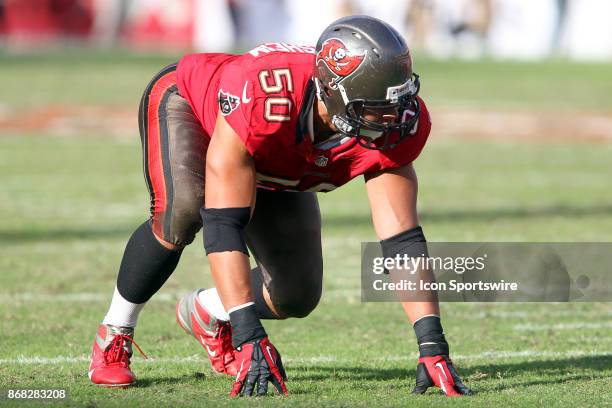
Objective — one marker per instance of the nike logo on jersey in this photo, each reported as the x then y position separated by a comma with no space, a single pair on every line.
244,93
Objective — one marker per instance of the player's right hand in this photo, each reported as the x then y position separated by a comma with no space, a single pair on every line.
438,371
258,363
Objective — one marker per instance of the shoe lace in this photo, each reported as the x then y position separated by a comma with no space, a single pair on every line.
225,334
116,353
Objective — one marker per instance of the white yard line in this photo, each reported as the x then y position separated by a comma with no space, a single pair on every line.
76,297
563,326
339,293
524,314
322,359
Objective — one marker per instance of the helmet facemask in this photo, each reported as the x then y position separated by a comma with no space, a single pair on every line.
380,134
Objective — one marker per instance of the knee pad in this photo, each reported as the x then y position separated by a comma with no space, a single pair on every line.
296,298
180,224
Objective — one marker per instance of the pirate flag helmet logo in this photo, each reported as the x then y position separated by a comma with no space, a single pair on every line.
339,59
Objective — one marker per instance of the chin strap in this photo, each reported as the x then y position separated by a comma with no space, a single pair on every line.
333,141
319,91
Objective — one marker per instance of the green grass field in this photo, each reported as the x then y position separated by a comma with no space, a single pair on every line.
68,205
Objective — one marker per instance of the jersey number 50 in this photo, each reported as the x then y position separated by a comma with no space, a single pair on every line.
277,108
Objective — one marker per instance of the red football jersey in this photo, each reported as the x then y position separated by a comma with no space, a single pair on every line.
265,96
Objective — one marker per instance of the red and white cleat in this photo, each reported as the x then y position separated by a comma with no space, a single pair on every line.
110,358
213,334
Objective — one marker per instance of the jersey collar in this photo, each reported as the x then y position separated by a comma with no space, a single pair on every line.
305,118
310,123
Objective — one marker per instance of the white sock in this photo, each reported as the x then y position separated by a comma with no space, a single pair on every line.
122,312
209,298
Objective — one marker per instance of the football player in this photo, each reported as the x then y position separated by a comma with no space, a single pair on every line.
240,144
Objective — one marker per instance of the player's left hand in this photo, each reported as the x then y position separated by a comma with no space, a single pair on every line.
258,363
438,371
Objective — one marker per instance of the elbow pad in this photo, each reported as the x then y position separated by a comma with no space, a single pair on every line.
224,229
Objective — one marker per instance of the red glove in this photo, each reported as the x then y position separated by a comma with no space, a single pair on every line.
258,362
438,371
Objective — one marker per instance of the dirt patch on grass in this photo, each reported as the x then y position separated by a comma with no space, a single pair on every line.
447,122
71,121
524,125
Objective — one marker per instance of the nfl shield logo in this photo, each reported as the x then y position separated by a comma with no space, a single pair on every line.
321,161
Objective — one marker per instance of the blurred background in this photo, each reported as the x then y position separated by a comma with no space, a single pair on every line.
517,29
520,93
